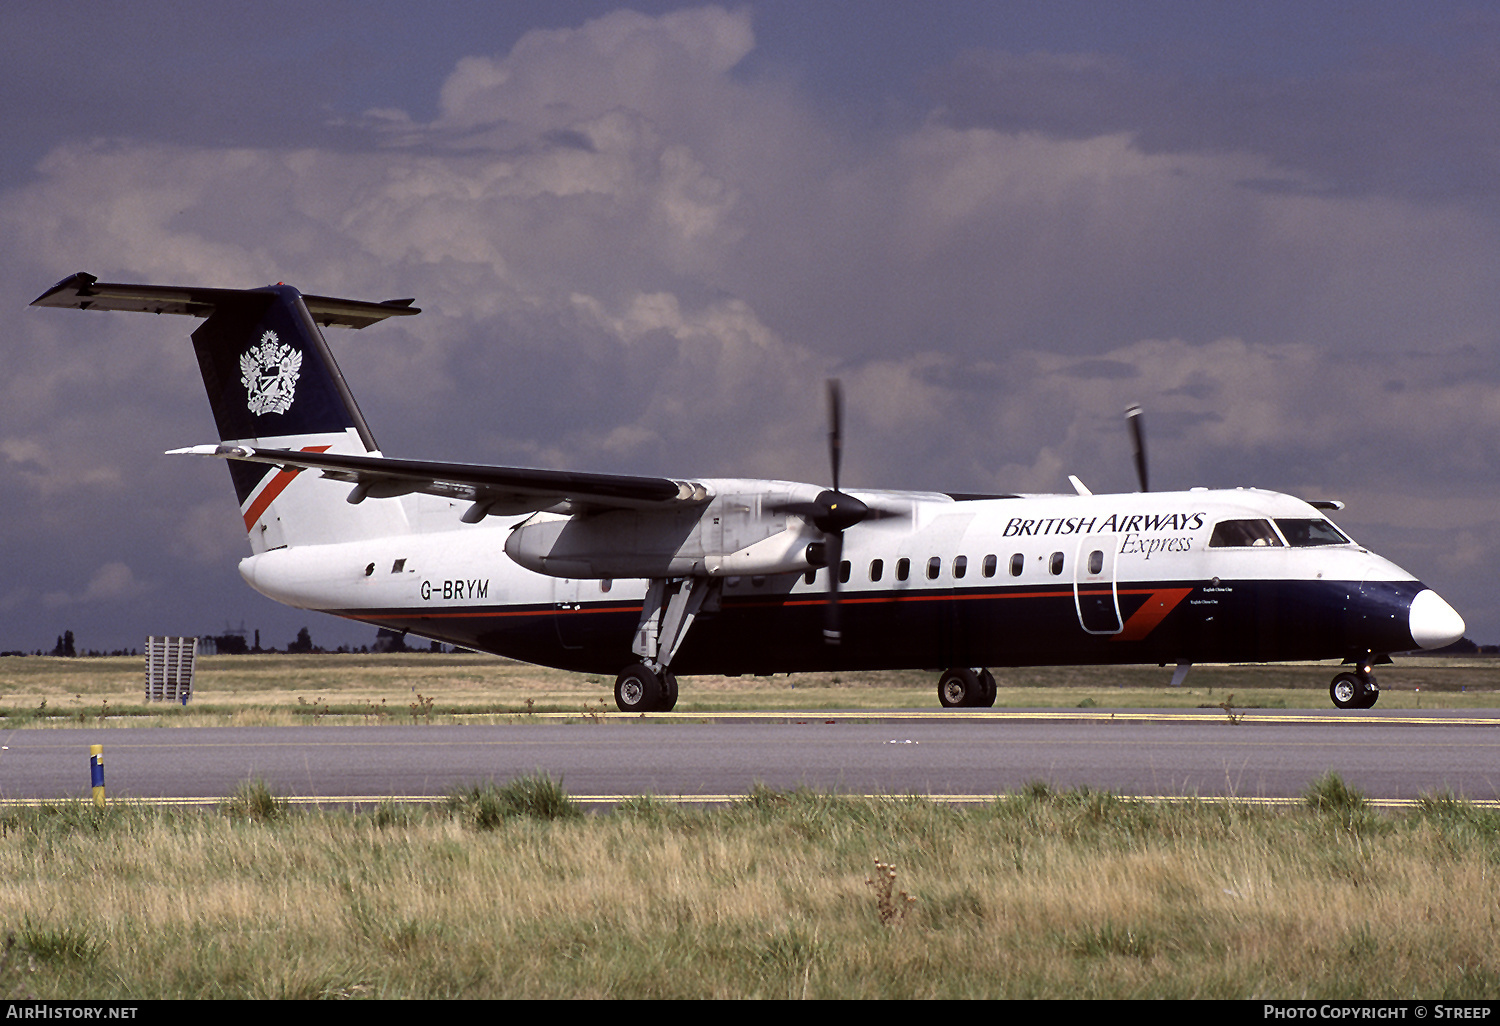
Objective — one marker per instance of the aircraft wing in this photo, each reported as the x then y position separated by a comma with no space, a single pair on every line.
492,490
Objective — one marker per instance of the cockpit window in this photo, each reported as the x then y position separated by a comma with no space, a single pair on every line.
1233,534
1312,531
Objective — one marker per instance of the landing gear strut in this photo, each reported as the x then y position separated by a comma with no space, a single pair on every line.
1354,690
668,612
964,687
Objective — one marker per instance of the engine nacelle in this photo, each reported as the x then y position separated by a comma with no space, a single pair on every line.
722,540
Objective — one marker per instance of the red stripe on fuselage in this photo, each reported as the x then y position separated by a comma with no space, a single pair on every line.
1159,603
275,487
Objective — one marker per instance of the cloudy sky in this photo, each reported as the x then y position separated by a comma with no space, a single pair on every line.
642,237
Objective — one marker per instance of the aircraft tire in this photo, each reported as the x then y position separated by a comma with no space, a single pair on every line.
1347,691
668,691
987,697
1369,693
960,688
638,690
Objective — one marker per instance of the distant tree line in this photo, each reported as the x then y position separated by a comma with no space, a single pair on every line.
66,647
235,643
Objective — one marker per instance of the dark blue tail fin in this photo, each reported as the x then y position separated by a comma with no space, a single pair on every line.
269,372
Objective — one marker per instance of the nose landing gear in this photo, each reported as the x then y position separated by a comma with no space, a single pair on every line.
1354,690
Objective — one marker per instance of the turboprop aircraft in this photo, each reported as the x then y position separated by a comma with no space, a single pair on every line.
651,577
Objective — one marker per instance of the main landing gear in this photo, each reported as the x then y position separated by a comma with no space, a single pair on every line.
1356,690
669,610
965,687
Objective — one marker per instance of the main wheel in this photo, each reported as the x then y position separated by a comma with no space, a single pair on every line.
668,691
1346,691
637,689
987,681
1369,692
959,688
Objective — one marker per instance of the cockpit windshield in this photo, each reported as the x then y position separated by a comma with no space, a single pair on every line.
1233,534
1300,533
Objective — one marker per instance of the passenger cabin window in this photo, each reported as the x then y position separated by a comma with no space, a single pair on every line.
990,563
960,566
1017,564
1055,564
934,565
1237,534
1096,562
811,575
844,571
1301,533
877,569
903,568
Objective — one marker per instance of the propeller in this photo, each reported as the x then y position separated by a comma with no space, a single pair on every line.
833,512
1138,441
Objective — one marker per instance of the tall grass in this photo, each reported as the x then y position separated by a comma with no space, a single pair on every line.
1037,894
488,805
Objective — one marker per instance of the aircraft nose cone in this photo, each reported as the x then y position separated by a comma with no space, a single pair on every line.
1434,623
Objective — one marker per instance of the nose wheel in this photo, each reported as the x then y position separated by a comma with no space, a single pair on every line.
1354,690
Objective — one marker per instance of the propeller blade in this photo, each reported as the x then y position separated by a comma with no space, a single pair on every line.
1138,441
834,547
835,428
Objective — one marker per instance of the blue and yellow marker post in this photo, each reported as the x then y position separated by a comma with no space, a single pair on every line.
96,773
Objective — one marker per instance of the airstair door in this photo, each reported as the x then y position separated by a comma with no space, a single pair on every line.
1095,591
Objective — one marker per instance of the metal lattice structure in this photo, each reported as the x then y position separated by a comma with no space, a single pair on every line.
169,668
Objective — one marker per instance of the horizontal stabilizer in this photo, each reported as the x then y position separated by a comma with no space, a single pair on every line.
85,292
501,491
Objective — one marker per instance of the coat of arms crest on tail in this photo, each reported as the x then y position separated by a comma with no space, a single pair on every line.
269,373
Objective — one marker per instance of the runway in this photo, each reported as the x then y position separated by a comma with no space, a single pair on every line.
1265,756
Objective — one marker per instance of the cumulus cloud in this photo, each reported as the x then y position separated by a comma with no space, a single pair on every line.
113,582
670,67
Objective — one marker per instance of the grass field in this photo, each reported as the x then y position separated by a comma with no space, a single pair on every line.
283,689
512,892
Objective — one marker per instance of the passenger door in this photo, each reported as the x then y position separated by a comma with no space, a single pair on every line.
1094,588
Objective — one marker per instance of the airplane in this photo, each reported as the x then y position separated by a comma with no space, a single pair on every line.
651,577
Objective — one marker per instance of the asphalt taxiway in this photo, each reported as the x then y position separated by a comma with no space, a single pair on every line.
1256,755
